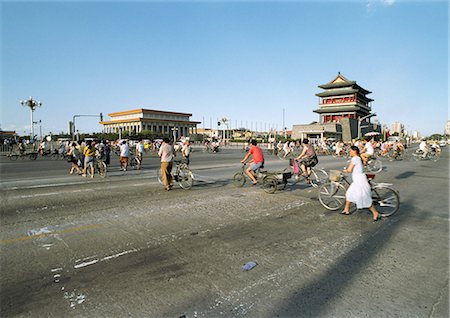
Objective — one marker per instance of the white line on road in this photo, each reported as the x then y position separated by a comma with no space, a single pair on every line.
86,264
35,195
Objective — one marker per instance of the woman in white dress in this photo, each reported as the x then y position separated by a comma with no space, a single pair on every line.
359,191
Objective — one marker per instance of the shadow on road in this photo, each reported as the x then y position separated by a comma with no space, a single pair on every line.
314,299
405,175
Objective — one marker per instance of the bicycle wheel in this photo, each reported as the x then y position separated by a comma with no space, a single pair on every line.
332,195
54,156
385,200
13,157
374,165
280,154
33,156
102,169
134,163
185,178
318,177
270,185
434,156
239,179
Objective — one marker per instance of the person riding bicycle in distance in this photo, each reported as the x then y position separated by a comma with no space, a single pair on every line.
367,151
307,159
257,160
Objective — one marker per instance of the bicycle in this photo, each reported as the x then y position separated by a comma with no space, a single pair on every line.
270,181
332,194
135,163
14,156
183,175
281,154
373,165
430,155
99,167
395,154
315,179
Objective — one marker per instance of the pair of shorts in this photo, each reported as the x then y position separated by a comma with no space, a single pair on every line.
256,166
88,161
123,159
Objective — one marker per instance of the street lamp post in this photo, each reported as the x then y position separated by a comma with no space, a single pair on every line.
32,104
174,134
361,119
225,122
40,127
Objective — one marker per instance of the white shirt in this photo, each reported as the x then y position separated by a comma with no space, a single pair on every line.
369,148
140,147
165,152
423,146
124,150
186,150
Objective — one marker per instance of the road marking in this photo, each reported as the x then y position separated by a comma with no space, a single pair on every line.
31,237
35,195
86,264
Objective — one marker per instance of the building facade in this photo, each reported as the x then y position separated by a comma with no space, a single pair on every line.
344,113
398,128
157,121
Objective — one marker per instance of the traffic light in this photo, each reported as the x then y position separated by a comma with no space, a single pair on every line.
71,127
101,117
218,123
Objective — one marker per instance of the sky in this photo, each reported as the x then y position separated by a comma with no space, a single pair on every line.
257,63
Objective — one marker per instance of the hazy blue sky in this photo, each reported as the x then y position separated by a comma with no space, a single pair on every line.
242,60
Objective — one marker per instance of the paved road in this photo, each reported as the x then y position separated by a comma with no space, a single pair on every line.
122,246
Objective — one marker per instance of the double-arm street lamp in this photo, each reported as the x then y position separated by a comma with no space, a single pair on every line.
32,104
362,119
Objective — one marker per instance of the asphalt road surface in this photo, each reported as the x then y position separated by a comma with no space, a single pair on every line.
122,246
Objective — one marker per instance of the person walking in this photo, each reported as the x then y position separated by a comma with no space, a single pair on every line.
124,153
359,191
166,154
107,153
89,153
73,156
186,151
140,152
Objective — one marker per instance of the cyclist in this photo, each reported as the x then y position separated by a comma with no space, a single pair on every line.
398,148
139,152
186,151
359,191
367,151
286,148
424,148
257,160
307,159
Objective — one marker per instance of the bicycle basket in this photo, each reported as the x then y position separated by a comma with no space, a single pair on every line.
335,175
